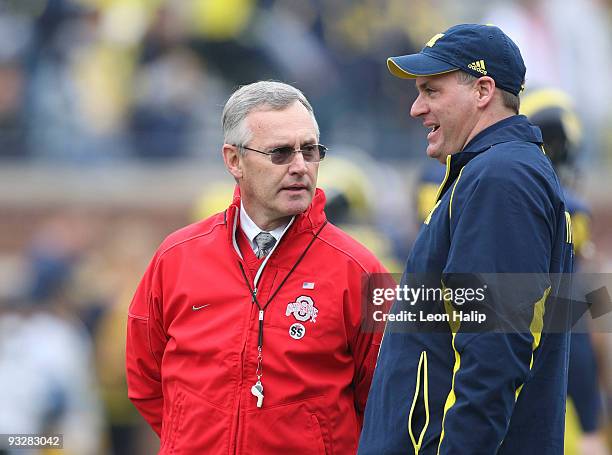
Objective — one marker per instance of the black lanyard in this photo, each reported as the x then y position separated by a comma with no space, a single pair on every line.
258,390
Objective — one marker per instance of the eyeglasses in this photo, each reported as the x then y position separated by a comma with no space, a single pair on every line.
312,153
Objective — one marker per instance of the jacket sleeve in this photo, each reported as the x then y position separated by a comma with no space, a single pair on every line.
500,225
146,341
365,334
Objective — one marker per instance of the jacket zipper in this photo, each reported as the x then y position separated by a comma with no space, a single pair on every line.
243,353
260,312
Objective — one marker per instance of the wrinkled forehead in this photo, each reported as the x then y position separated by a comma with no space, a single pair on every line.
294,120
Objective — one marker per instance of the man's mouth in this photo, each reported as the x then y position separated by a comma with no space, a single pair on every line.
433,129
296,188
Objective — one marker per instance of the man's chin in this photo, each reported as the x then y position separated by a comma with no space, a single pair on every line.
436,154
433,153
296,206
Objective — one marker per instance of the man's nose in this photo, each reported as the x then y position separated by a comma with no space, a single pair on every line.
418,107
298,164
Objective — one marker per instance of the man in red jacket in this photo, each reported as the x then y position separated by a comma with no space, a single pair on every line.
245,335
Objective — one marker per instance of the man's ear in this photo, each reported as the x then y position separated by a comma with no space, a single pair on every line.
485,89
232,160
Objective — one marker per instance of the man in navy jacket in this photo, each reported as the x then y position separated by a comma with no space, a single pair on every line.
499,234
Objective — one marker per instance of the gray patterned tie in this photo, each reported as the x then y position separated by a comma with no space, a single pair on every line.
265,242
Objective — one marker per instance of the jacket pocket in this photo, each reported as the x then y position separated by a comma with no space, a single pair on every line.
420,405
296,428
195,425
316,427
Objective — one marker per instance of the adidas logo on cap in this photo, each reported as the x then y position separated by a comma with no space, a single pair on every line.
479,66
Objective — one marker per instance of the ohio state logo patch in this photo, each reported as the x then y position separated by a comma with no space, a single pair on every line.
303,309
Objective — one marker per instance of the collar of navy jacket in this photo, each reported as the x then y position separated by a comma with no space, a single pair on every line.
506,130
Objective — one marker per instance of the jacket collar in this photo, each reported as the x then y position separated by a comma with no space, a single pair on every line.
514,128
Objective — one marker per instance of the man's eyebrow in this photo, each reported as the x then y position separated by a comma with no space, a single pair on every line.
422,85
281,144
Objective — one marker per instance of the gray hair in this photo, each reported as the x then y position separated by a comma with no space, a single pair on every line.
509,100
262,95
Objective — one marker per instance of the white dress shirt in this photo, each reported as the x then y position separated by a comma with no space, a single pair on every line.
251,230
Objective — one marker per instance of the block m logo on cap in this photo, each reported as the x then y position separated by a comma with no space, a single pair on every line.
433,40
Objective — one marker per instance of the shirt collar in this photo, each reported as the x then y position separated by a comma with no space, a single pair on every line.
251,230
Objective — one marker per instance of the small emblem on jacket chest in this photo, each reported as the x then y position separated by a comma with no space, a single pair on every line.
303,309
297,331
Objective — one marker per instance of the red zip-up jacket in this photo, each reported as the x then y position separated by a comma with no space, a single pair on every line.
193,331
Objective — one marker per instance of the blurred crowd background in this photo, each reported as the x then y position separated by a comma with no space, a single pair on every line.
110,139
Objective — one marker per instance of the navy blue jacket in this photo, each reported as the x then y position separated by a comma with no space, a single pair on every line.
452,388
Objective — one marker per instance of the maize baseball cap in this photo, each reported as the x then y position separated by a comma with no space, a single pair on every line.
480,50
